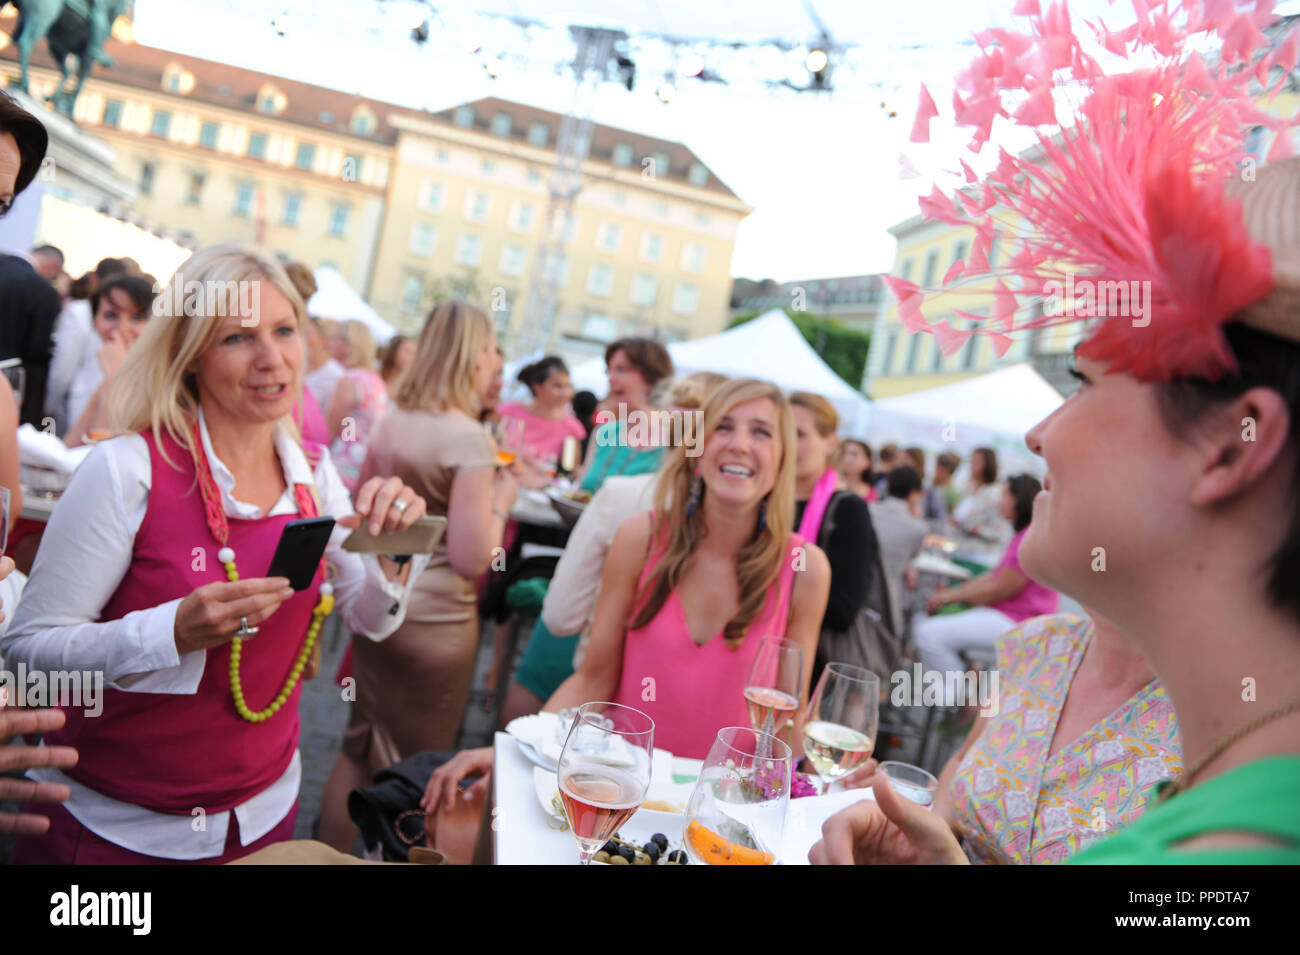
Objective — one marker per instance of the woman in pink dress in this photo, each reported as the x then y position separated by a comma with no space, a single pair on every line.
547,419
689,589
359,401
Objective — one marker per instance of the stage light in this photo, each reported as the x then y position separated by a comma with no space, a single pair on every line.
816,60
693,65
666,91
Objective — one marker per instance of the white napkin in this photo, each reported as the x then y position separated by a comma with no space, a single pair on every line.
44,450
804,818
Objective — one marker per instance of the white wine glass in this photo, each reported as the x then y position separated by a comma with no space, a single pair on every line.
773,689
736,813
604,771
840,732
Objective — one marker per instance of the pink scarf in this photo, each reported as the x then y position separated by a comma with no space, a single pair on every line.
816,508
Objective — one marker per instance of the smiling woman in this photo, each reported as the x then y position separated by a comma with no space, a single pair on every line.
183,510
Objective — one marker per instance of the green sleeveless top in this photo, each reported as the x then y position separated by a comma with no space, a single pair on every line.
1262,797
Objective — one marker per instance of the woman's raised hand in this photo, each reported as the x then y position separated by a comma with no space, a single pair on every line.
387,504
891,830
211,614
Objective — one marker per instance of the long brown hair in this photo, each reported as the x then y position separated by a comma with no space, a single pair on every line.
758,563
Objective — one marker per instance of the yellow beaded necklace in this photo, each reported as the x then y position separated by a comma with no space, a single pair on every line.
218,524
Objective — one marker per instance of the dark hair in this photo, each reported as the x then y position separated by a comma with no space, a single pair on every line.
918,455
646,355
387,354
888,452
584,406
140,289
948,461
866,449
107,268
49,250
29,134
1024,488
1263,361
302,280
535,375
989,473
82,288
902,481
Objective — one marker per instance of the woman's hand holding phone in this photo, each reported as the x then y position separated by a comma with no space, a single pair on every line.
211,614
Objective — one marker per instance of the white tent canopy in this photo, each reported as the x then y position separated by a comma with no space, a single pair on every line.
335,299
768,347
994,410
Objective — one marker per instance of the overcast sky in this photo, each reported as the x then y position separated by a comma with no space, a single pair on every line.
821,171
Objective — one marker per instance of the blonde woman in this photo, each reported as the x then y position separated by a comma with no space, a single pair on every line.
359,400
412,693
150,572
690,588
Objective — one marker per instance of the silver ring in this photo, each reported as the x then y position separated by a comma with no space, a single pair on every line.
244,629
400,505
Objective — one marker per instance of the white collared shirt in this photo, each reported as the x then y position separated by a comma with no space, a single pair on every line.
85,554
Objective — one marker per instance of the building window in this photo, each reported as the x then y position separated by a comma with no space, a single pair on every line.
620,198
464,117
352,167
339,219
476,207
533,175
363,121
698,176
306,156
931,267
570,227
412,292
208,135
113,112
600,280
936,357
469,251
195,190
147,171
652,247
244,194
422,240
514,259
292,207
891,345
444,156
622,155
539,134
959,252
702,218
257,146
270,100
971,349
489,167
661,166
501,124
644,290
430,196
686,298
609,236
178,80
694,256
907,270
661,210
521,217
162,123
913,346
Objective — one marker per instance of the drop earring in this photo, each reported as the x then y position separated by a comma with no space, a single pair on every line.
697,488
762,514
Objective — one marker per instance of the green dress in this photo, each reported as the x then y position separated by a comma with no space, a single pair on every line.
1262,797
613,456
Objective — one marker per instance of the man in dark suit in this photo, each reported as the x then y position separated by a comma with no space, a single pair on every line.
29,305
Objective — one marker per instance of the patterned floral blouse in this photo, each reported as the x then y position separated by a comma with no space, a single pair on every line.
1014,803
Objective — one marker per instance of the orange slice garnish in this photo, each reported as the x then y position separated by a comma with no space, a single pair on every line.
715,850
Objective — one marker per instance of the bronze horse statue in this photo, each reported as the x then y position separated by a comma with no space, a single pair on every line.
72,28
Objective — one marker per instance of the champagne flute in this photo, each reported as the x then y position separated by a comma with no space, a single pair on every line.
841,729
773,689
736,813
604,771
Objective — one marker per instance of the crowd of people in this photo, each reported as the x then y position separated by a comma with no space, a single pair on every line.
1129,732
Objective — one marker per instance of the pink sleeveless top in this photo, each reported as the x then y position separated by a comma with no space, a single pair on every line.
170,752
692,691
